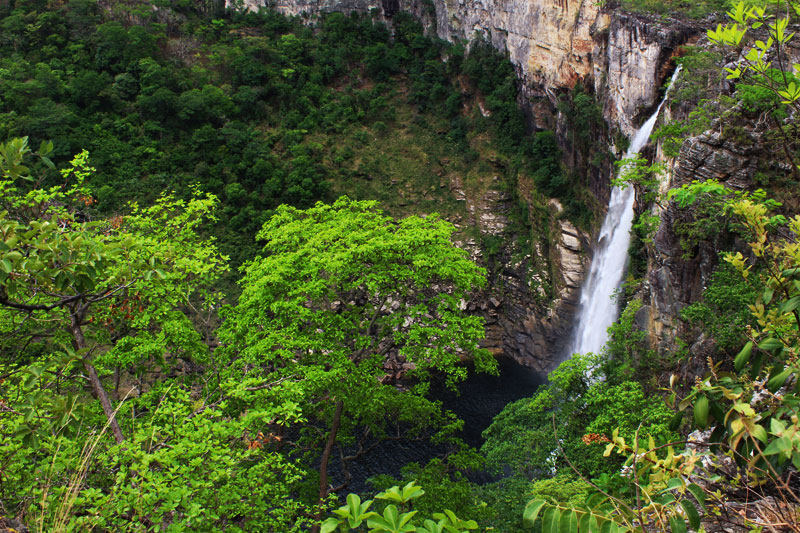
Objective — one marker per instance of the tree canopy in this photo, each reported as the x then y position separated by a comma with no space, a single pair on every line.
345,300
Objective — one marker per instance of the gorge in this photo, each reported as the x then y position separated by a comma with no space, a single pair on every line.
257,255
553,46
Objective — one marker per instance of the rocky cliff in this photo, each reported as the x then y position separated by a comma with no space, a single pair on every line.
553,45
681,260
677,275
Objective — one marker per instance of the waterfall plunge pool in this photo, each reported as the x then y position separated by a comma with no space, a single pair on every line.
480,398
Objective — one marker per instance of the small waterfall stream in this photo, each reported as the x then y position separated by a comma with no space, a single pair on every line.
598,308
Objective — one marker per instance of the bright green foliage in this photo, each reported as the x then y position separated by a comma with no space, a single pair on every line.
255,107
445,489
723,311
532,436
624,407
709,107
393,520
184,466
638,172
74,282
759,434
338,290
652,495
81,299
767,79
748,400
521,436
627,355
751,410
562,488
331,274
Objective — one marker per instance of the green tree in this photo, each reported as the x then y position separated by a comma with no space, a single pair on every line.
765,74
112,291
343,299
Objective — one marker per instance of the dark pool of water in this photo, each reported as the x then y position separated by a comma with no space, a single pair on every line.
480,398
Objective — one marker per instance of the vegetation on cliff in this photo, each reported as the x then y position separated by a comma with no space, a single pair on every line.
136,395
257,108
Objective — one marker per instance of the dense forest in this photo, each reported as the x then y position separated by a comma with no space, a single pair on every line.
228,273
256,109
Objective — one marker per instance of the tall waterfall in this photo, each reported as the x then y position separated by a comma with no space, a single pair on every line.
598,309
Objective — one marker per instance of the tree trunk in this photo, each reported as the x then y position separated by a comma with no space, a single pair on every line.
323,464
79,343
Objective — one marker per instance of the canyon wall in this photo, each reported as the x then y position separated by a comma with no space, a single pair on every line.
553,45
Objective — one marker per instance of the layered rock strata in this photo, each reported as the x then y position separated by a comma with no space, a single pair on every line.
518,324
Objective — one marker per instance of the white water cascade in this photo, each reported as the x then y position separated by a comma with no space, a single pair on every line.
598,308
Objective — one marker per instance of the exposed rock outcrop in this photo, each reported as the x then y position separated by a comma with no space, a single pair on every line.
553,45
677,276
522,322
630,74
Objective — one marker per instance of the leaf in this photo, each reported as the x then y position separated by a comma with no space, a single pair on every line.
405,518
755,367
674,483
698,494
691,514
411,491
568,522
759,432
677,525
776,382
531,511
675,421
609,527
791,273
780,445
595,499
767,296
790,305
588,524
701,412
392,493
665,499
743,357
770,344
776,426
329,525
550,520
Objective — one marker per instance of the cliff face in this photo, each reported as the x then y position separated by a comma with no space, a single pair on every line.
551,42
553,45
634,67
677,273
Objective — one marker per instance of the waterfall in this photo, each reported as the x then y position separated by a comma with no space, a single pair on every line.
598,308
